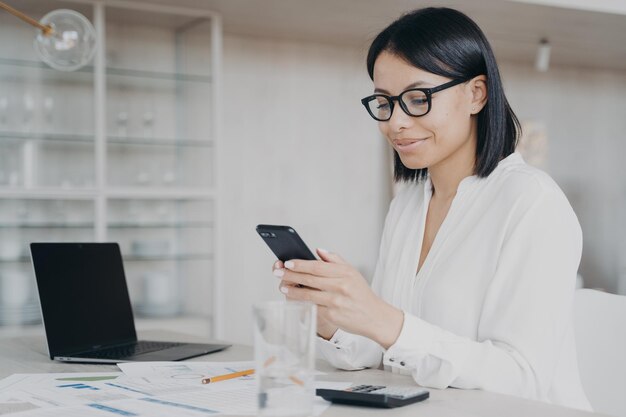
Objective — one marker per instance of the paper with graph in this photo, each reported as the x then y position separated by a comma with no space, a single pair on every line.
184,371
156,389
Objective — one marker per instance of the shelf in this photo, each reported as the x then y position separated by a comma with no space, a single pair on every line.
159,141
69,137
123,149
175,192
90,225
158,225
27,71
174,257
56,193
157,75
25,63
132,73
136,258
47,225
17,259
61,137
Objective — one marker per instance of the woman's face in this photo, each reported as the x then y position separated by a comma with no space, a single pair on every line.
445,134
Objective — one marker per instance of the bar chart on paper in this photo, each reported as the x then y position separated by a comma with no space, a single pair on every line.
155,389
79,386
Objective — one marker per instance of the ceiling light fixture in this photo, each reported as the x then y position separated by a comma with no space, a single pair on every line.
66,39
542,60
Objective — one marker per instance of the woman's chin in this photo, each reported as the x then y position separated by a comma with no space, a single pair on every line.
414,163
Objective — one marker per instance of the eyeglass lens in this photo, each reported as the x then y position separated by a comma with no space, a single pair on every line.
414,102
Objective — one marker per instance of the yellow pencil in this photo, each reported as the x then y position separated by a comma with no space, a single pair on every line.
227,376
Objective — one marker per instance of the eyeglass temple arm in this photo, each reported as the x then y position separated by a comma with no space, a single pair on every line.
446,85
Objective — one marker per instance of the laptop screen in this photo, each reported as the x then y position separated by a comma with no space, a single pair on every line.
83,294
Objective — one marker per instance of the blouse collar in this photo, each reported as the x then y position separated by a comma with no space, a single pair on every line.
513,159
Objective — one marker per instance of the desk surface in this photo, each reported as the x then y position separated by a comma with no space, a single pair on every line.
29,354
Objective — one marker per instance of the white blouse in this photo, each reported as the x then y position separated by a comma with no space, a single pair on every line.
491,307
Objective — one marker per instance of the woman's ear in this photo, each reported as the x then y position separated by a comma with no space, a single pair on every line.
478,88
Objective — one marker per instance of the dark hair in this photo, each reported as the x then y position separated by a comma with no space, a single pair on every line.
446,42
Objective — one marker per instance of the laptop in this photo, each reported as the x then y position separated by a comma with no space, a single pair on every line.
86,309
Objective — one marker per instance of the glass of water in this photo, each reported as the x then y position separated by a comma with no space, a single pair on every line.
284,352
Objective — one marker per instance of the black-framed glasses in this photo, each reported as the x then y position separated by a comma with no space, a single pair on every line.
415,102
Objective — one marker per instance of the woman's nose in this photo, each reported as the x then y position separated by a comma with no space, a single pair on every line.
399,119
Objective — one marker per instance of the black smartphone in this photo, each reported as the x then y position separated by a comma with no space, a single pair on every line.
285,242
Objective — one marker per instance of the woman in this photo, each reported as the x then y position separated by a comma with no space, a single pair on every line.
476,274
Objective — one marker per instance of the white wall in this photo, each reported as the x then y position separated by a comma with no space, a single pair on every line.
297,148
584,113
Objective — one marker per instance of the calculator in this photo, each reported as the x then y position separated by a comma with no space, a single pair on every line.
375,395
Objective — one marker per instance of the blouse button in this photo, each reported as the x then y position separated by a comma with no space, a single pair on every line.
402,363
392,360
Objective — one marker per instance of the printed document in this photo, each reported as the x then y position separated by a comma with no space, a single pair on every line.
144,389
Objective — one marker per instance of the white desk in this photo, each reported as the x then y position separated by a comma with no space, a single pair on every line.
29,354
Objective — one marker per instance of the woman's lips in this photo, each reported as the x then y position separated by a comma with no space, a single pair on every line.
408,145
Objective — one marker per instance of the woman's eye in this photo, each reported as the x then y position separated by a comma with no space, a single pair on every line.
418,101
382,106
415,99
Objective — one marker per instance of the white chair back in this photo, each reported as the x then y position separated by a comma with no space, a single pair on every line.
600,327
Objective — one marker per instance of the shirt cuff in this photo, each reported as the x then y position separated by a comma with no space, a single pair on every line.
348,351
415,338
335,342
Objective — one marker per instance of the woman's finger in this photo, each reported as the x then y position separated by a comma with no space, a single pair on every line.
318,268
277,265
330,256
288,285
307,280
321,298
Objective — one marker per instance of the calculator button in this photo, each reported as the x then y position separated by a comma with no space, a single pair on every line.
401,392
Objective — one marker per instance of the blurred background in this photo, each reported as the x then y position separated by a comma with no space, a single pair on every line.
199,119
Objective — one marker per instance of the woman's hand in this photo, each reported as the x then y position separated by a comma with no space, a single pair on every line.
325,329
343,297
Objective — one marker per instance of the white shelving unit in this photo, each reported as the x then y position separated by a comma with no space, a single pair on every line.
122,150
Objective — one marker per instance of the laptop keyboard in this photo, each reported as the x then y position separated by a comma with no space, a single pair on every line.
125,351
